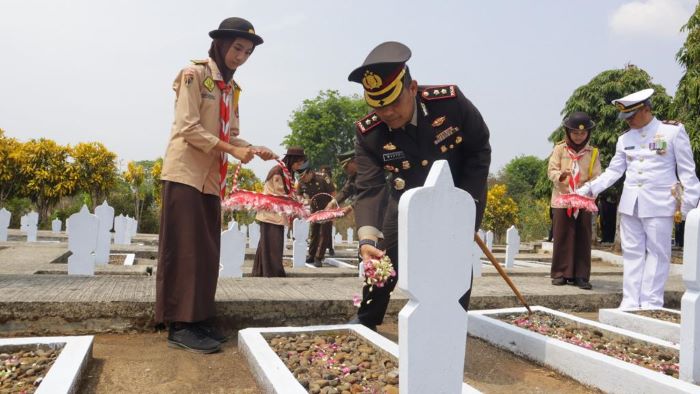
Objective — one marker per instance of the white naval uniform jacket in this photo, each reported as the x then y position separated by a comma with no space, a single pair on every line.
650,176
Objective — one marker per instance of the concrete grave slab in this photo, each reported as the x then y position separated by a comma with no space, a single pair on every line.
587,366
65,373
628,320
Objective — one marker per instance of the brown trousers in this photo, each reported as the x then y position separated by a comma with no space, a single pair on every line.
188,254
268,256
320,239
571,257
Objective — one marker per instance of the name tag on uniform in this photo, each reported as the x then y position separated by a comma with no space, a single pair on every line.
629,147
391,156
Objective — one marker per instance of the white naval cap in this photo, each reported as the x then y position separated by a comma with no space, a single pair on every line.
630,104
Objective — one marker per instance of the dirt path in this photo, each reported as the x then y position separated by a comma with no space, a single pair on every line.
142,363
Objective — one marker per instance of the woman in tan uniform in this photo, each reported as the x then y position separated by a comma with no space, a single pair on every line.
204,132
268,256
572,163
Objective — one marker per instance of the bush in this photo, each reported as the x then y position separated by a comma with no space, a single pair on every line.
533,218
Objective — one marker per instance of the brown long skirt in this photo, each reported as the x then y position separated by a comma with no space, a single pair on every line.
571,257
188,254
268,256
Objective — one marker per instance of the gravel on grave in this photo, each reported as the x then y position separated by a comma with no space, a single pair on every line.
637,352
22,368
117,259
337,362
659,314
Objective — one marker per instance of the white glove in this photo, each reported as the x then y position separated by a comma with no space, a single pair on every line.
585,191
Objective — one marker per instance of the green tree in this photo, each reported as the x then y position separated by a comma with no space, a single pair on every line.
520,176
686,104
96,170
324,126
45,174
595,99
155,176
135,177
501,211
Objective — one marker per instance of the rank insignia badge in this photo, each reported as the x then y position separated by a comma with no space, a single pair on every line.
439,121
209,84
389,147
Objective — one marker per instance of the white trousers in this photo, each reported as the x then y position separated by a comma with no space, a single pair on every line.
646,252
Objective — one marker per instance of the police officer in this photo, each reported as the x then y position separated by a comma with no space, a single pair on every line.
411,127
654,156
349,190
317,190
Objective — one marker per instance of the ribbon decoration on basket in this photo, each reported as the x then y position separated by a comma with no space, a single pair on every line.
325,215
240,199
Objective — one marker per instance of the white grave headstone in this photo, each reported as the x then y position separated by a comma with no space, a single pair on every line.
67,224
254,235
105,214
233,224
337,239
5,216
244,230
435,223
489,240
512,246
232,253
351,235
689,357
56,225
299,246
82,242
131,225
120,230
32,222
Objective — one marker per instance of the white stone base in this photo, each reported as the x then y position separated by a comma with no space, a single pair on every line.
272,374
65,373
645,325
338,263
586,366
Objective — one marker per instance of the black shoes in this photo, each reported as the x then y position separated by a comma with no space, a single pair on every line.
356,320
582,284
318,263
190,337
331,252
212,332
309,260
559,281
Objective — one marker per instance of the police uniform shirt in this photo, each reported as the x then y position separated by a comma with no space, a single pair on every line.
650,157
446,126
316,185
349,190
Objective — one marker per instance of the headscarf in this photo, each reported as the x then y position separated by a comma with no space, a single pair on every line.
217,51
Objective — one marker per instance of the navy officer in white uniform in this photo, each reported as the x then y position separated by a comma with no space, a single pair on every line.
654,156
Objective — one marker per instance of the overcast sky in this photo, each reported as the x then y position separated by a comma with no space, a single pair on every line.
96,70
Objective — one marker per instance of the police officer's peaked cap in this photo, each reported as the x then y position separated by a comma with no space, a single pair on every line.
630,104
382,73
579,121
236,27
346,156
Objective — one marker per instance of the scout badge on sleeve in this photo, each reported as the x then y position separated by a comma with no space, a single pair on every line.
247,200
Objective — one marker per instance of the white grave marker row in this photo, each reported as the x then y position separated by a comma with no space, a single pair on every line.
232,253
300,227
512,246
5,216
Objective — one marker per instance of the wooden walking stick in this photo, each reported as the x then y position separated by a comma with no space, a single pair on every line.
500,270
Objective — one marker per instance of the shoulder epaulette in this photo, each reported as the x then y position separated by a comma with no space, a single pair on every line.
368,122
561,142
671,122
439,92
200,62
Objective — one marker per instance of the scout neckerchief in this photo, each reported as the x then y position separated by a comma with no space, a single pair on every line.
225,113
575,176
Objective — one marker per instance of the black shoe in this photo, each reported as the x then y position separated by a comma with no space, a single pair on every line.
559,281
189,337
212,332
582,284
309,260
318,263
331,252
356,320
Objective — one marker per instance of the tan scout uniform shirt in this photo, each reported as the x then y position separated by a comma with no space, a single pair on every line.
273,186
560,161
190,157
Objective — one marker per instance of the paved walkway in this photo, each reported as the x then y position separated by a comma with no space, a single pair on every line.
50,303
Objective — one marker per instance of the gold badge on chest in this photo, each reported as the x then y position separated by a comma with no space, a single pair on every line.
389,147
439,121
399,184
